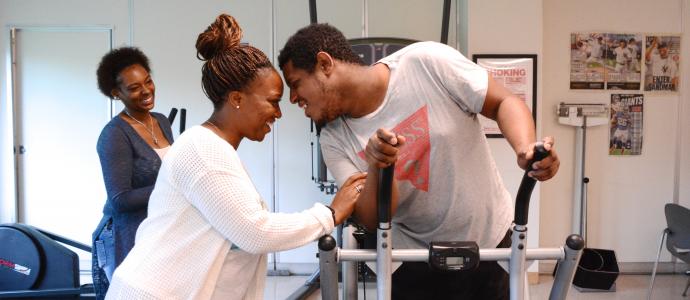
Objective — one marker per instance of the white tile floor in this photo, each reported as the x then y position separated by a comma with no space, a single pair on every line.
628,287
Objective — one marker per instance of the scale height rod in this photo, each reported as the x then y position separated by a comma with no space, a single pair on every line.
577,180
583,184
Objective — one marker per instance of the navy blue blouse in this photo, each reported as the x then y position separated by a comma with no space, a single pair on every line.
130,167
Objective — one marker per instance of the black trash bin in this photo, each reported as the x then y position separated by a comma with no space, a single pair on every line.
597,270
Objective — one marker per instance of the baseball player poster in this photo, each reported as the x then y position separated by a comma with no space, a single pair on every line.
587,67
601,61
662,61
626,124
622,61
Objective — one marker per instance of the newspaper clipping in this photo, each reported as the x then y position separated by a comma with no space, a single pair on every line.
662,59
605,61
626,124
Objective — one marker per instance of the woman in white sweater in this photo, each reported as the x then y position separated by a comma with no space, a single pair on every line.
208,230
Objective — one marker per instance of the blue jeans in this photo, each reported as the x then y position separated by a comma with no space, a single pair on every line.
103,260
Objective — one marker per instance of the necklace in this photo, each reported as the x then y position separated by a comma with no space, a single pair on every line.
213,125
150,130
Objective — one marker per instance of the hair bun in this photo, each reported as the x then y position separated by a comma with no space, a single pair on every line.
224,33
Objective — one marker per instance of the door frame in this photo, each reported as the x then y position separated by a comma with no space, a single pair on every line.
17,146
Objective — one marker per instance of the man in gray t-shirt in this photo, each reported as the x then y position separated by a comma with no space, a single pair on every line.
418,108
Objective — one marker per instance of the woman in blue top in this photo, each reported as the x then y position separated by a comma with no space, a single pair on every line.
130,148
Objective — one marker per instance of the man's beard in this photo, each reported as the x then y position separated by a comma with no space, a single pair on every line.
328,114
330,109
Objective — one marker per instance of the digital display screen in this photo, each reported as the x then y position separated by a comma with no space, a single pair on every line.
458,261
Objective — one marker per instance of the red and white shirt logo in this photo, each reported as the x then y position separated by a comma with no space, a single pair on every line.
413,161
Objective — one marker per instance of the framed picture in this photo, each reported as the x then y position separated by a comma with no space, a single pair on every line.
518,73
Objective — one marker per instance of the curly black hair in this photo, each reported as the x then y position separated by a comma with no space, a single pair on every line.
114,62
302,47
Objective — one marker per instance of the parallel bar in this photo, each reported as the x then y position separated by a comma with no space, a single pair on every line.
384,195
328,266
384,245
349,268
502,254
384,270
567,267
517,262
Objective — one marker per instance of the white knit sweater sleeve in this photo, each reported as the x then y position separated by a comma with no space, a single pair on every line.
210,175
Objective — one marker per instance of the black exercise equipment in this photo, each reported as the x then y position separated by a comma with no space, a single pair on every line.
33,264
172,115
451,255
183,118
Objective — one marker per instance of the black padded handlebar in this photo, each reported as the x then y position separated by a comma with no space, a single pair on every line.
384,194
171,116
183,120
526,186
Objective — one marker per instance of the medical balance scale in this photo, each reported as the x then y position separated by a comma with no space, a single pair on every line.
598,268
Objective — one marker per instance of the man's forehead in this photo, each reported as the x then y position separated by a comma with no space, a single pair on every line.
289,79
288,69
293,73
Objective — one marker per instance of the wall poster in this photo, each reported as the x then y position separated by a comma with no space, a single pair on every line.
518,73
662,59
605,61
625,137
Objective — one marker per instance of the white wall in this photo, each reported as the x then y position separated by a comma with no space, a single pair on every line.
30,13
511,27
167,34
626,195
